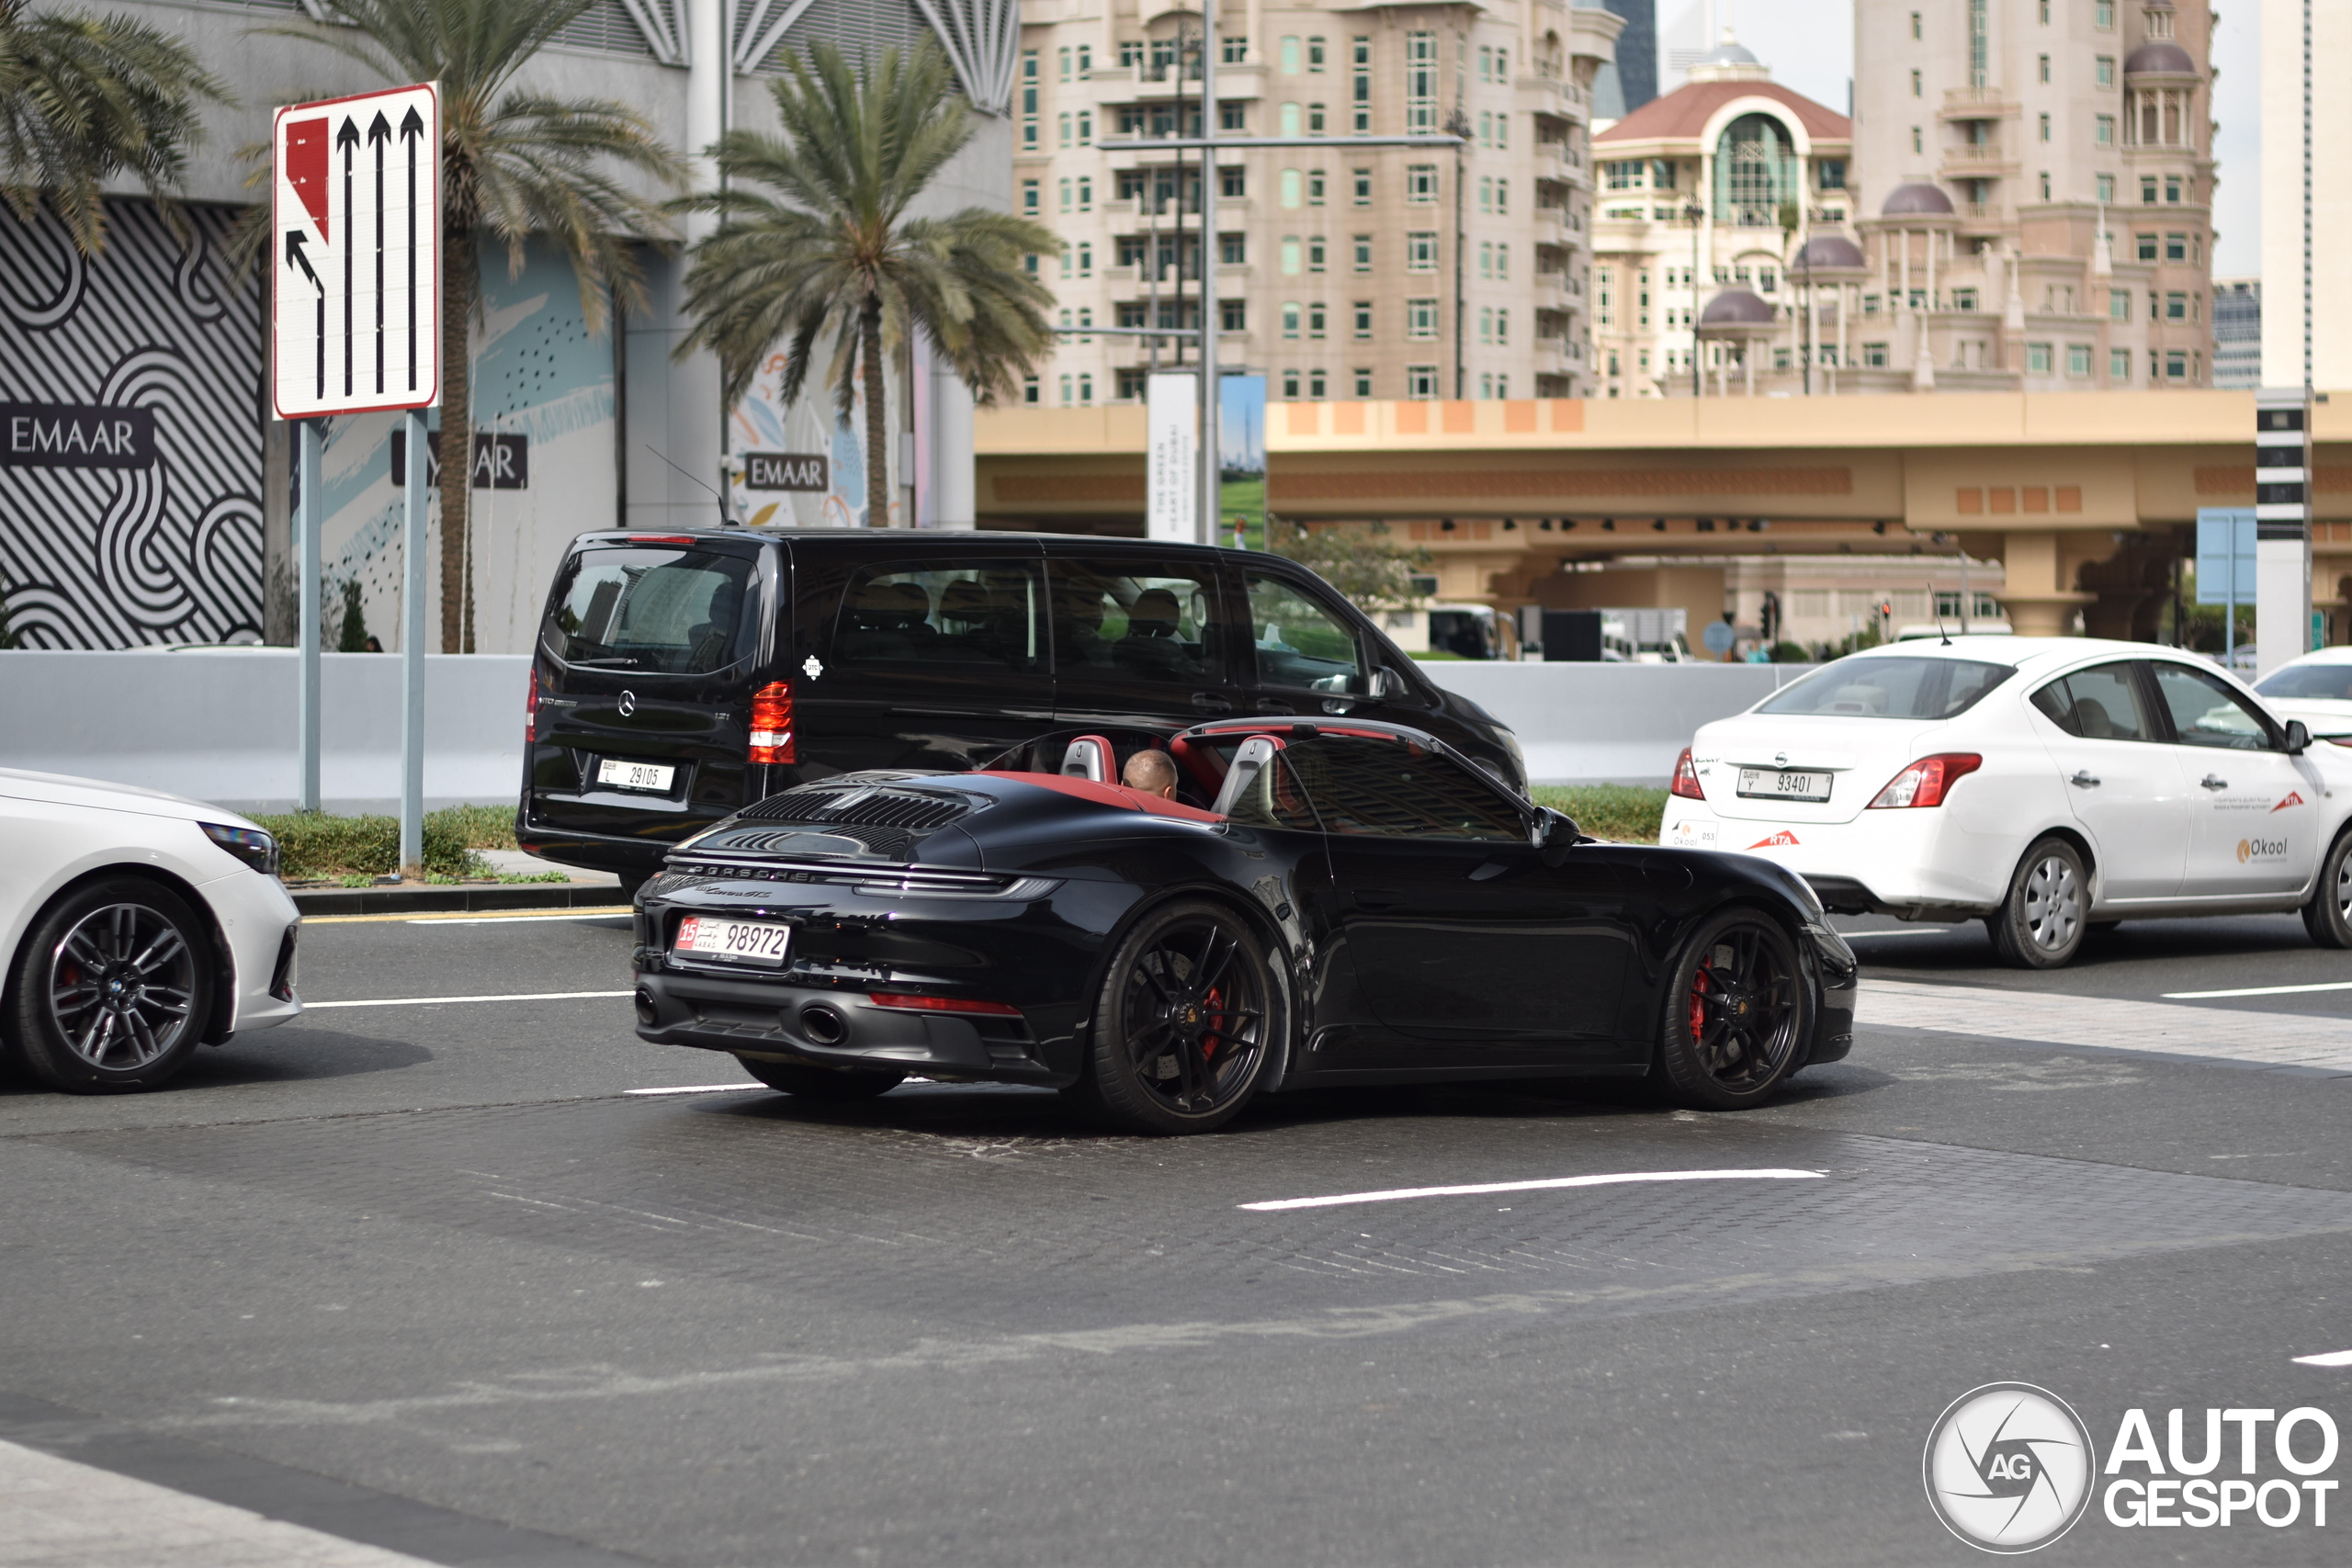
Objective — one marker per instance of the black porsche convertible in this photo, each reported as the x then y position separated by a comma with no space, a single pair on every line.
1342,902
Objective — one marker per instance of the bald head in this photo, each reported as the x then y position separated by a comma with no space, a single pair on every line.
1153,772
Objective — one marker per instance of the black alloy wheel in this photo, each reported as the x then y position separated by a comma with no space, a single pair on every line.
823,1083
1737,1014
1186,1024
2328,915
2042,924
112,988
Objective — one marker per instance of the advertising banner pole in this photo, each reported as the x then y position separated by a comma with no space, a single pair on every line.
413,652
308,440
1210,466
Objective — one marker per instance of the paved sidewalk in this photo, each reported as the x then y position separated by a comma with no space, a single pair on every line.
57,1514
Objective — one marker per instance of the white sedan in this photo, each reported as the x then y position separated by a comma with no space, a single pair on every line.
2046,785
134,926
2317,689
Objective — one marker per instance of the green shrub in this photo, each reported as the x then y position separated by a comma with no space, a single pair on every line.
313,844
1626,813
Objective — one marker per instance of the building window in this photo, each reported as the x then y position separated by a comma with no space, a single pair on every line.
1314,54
2103,14
1314,386
1315,188
1421,83
1232,116
1623,174
1829,174
1236,50
1915,27
1029,100
1502,327
1963,299
2045,184
1502,198
1919,142
1874,355
2172,190
1293,188
1029,391
1420,318
2037,358
1361,92
1066,194
2146,246
2046,127
1069,384
1233,250
1233,315
1085,260
1661,173
1315,119
1486,325
1029,198
2118,304
1233,184
1363,319
2119,365
1085,194
1289,120
1421,182
1290,319
1486,193
1918,86
2107,182
1502,261
1314,316
1290,255
2176,307
1362,178
1980,43
2103,69
2045,68
1363,383
2147,191
2176,247
1290,54
2078,359
1063,121
1290,386
1420,381
1314,253
1363,253
2176,367
1029,264
1420,250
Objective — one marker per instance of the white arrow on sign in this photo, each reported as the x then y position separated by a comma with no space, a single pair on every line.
355,317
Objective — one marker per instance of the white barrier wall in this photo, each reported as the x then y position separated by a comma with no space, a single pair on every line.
219,724
1609,723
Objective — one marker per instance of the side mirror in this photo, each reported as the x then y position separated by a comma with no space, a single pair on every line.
1554,834
1385,684
2299,737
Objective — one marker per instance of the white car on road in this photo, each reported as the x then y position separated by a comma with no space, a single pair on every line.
2317,689
2046,785
134,926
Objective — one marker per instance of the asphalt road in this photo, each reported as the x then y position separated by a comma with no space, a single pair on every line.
431,1278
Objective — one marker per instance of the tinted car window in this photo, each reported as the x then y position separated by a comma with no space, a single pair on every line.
1301,642
1149,622
677,612
2332,682
2099,704
1890,688
2205,712
972,616
1393,790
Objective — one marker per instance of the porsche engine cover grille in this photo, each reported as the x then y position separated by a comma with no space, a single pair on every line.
911,811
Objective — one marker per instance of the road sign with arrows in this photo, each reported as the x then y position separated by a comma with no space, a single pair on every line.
356,318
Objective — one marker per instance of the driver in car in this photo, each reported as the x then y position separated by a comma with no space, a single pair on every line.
1152,773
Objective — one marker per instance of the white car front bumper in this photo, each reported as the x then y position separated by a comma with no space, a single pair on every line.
258,920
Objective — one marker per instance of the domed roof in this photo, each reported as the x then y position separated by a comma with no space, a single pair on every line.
2157,58
1916,197
1730,52
1736,307
1828,251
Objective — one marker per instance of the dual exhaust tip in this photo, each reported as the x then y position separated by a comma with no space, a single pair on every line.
821,1023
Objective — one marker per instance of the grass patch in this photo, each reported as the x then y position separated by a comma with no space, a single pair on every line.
312,845
1625,813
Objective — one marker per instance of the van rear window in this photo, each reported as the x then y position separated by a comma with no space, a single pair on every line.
669,611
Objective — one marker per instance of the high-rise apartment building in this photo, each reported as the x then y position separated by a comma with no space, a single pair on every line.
1342,272
1637,62
2036,180
2285,66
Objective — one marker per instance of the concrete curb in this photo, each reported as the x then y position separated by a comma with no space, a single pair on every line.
440,901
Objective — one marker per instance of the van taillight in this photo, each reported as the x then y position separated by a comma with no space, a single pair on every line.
771,738
531,713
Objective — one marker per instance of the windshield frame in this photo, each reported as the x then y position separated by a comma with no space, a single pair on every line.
1851,664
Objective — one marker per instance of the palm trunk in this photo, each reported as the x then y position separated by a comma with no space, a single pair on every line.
459,278
877,418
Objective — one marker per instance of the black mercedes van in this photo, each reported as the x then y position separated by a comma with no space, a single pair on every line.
681,676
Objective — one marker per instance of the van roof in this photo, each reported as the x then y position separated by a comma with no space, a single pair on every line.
893,538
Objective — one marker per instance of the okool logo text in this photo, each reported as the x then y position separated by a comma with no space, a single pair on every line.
2237,1467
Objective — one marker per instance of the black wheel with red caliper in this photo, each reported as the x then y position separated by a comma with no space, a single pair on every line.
1187,1022
1737,1014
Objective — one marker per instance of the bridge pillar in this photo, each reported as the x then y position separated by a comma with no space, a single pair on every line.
2037,590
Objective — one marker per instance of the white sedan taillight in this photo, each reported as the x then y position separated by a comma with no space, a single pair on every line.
1927,780
1686,778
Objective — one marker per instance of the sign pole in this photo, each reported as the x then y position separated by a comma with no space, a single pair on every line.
412,653
306,527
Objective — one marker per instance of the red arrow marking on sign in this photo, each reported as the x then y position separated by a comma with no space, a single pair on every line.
306,167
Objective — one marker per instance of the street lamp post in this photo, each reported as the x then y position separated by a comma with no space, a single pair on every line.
1697,214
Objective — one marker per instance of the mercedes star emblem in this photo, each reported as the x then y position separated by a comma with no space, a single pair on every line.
627,703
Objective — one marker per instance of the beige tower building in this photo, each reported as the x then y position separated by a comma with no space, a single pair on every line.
1342,272
2036,180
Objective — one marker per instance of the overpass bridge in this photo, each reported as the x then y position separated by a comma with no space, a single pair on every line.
2085,498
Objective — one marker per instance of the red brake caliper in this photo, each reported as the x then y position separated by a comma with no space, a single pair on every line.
1698,988
1215,1008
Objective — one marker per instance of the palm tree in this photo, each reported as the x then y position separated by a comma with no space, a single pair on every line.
514,164
832,256
85,98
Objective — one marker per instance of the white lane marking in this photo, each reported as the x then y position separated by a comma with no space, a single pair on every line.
2262,991
2263,1039
443,1001
503,920
1922,931
700,1089
2333,1359
1475,1189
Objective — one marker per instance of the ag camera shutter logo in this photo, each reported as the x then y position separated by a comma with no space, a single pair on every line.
2009,1467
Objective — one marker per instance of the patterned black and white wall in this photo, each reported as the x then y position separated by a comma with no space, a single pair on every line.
130,435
